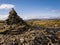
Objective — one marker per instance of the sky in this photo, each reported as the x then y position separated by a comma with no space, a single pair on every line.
31,9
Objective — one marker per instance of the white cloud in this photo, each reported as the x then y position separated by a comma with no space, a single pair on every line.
29,17
35,17
3,17
54,10
6,6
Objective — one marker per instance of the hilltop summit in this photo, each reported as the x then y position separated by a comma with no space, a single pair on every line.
12,12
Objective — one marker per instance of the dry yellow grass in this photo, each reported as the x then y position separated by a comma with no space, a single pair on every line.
45,23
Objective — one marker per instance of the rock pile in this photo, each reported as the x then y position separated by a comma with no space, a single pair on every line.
33,37
13,18
14,24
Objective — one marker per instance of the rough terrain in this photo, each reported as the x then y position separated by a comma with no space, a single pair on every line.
15,31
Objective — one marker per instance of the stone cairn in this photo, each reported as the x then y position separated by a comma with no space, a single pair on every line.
15,24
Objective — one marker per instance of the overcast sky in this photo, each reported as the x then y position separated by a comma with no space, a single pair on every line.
30,9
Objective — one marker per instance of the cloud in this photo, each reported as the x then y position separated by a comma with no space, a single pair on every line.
3,17
35,17
6,6
56,11
53,10
29,17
